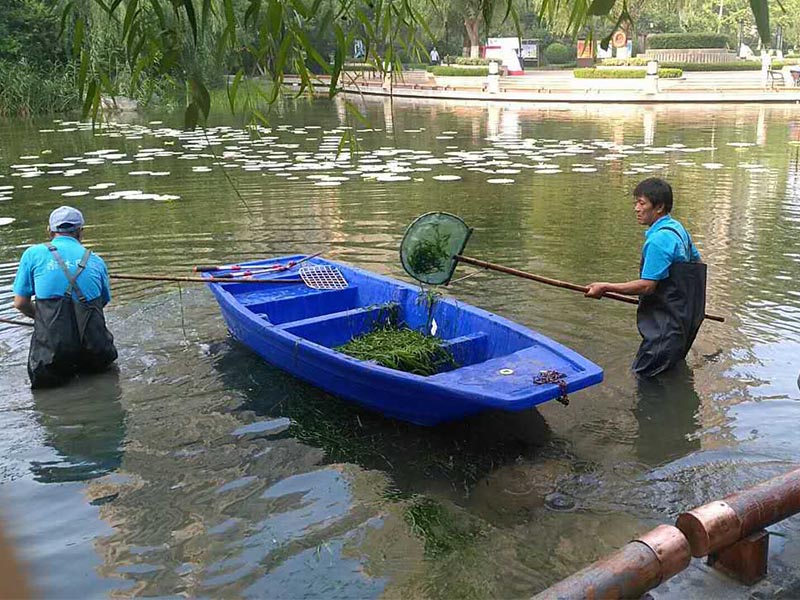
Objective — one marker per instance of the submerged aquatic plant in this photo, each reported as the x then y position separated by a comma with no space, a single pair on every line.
400,348
428,297
443,531
430,255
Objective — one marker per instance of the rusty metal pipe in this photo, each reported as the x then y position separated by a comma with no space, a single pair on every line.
628,573
716,525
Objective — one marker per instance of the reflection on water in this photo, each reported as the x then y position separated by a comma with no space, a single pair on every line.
85,424
199,470
666,411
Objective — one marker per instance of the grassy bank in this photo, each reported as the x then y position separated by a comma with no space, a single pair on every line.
27,91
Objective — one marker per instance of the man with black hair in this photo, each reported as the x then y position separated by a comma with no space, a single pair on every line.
71,287
671,285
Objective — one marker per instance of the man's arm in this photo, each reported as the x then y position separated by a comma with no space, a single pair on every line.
637,287
24,286
25,305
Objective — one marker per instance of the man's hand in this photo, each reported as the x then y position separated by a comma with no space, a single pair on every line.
597,289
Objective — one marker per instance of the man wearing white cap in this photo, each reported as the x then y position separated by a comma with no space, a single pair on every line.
71,287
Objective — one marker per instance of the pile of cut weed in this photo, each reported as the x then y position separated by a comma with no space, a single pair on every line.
400,348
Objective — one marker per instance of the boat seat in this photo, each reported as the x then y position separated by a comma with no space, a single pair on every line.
468,349
304,306
334,329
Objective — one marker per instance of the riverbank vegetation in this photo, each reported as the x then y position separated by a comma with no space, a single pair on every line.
175,52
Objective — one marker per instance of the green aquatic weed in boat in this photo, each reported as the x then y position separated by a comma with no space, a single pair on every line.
400,348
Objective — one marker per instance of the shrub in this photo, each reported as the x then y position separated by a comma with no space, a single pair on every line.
670,73
686,40
746,65
557,54
449,71
358,67
624,62
624,73
465,60
568,65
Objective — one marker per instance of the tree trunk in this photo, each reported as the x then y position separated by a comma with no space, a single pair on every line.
471,24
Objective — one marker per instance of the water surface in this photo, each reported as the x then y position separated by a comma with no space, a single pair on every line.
198,469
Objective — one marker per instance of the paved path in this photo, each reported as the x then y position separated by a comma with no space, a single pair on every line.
561,86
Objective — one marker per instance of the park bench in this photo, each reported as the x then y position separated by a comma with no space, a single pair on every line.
776,77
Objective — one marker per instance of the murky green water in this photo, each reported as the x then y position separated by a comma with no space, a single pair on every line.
200,470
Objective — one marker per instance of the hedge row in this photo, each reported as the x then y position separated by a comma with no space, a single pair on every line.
358,67
624,62
744,65
477,62
686,40
624,73
451,71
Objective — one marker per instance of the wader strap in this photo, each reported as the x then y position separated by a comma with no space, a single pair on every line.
72,279
687,248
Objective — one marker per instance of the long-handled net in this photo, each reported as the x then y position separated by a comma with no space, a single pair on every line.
432,248
431,245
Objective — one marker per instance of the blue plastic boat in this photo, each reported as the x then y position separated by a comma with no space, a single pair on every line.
295,327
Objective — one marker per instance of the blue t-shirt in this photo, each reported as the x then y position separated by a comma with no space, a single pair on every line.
662,248
40,275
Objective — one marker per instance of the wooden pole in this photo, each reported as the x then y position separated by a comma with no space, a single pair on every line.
556,282
201,279
16,322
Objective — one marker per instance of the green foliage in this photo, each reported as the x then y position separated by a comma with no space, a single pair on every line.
591,73
465,60
686,40
429,255
670,73
151,48
569,65
579,17
400,348
739,65
464,71
557,54
744,65
442,533
29,31
624,62
27,90
193,42
358,67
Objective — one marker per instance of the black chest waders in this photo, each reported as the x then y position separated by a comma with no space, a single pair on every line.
69,333
669,319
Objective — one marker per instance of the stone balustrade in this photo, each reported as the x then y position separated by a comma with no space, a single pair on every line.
691,55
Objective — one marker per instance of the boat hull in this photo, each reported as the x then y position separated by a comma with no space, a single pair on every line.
296,329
